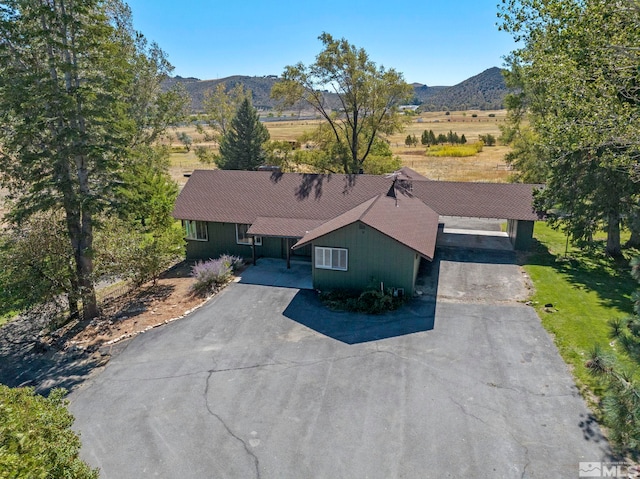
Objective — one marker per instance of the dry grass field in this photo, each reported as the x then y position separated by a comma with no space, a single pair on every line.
486,166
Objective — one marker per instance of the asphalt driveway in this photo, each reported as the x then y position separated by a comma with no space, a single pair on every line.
264,382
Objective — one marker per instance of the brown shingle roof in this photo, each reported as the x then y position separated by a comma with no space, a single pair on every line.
478,200
287,227
242,196
229,196
407,173
405,219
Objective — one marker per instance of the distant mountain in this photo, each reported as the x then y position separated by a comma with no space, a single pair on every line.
485,91
260,88
422,93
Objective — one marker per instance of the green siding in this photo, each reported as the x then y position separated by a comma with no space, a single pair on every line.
416,267
222,239
520,233
373,258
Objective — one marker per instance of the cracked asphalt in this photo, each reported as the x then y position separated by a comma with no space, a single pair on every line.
264,382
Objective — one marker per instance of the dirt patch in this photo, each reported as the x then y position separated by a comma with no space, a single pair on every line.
32,356
152,305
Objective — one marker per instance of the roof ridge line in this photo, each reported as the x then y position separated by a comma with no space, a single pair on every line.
375,200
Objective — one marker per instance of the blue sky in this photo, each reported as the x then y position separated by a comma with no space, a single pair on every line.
435,42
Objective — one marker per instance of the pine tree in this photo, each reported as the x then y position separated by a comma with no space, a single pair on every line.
621,405
242,147
424,139
450,137
79,93
432,138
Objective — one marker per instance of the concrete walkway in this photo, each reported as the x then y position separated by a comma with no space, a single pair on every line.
274,272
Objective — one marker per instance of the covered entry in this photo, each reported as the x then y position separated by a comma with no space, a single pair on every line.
276,272
289,231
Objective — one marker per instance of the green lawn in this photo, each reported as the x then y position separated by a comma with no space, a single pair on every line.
586,289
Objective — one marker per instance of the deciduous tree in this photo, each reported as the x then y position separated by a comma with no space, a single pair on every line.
185,139
37,266
367,98
488,139
577,74
280,153
221,105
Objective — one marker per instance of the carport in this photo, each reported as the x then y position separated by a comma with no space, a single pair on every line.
474,233
478,202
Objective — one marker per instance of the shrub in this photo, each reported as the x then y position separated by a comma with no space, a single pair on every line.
456,150
372,301
209,274
233,262
474,115
488,139
36,439
375,302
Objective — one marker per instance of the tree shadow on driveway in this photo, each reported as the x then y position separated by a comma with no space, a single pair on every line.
24,365
417,315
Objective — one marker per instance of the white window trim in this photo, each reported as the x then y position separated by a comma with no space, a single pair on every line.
257,239
322,253
191,230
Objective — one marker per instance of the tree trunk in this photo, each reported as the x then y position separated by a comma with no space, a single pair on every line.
80,232
83,241
613,235
73,298
634,240
634,227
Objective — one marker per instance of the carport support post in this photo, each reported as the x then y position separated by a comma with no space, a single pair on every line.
288,252
253,250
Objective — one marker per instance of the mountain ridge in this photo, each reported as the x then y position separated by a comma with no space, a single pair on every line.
484,91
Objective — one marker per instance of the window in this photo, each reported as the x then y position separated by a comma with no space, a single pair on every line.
195,230
243,238
331,258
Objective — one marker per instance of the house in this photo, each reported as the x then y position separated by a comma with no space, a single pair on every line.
357,230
